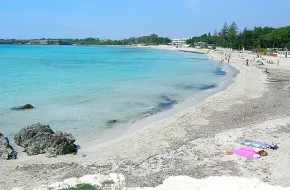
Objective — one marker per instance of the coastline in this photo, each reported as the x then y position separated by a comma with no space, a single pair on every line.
216,125
138,124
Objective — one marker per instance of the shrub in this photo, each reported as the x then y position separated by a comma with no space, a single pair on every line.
82,187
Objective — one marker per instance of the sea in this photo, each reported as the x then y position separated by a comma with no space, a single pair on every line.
90,90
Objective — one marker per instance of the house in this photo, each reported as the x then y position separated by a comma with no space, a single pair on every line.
38,42
199,44
179,42
283,54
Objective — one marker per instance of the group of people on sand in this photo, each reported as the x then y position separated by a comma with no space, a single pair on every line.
264,59
269,61
226,58
258,61
272,62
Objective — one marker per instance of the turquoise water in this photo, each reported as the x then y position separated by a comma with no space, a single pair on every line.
79,88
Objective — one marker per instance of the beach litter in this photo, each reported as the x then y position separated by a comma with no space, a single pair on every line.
229,153
200,158
273,146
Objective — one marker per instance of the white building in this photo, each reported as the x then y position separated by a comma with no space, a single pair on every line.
283,54
179,42
199,44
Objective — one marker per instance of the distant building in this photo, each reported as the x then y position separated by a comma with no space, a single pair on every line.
199,44
284,54
44,42
179,41
104,40
40,42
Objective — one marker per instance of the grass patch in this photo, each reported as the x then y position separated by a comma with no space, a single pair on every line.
82,187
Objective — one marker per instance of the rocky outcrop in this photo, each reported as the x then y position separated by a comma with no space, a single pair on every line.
39,139
5,150
25,107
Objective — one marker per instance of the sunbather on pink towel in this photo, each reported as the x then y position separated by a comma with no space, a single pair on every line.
246,152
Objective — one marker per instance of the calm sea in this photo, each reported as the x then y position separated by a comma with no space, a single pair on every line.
78,89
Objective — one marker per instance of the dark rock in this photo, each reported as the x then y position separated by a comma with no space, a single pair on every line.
25,107
5,150
219,71
39,139
207,86
113,121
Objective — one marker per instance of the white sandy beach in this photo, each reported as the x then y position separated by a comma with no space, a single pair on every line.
219,101
207,130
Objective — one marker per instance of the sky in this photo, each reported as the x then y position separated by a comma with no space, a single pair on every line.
118,19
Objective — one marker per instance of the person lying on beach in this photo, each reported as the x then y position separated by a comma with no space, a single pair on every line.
261,63
267,71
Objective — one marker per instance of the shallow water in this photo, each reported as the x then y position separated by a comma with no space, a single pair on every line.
78,89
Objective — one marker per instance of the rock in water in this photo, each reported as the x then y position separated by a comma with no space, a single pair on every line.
39,139
25,107
113,121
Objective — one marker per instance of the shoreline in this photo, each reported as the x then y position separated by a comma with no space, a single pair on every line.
138,124
249,108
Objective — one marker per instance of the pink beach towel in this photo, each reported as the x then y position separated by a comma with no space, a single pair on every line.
246,152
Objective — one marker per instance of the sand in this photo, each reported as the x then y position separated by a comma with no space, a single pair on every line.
211,183
191,143
117,181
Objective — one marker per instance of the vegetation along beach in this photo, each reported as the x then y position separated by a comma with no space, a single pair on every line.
203,105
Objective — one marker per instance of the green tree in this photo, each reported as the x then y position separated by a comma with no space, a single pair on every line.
215,33
224,34
247,38
233,31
